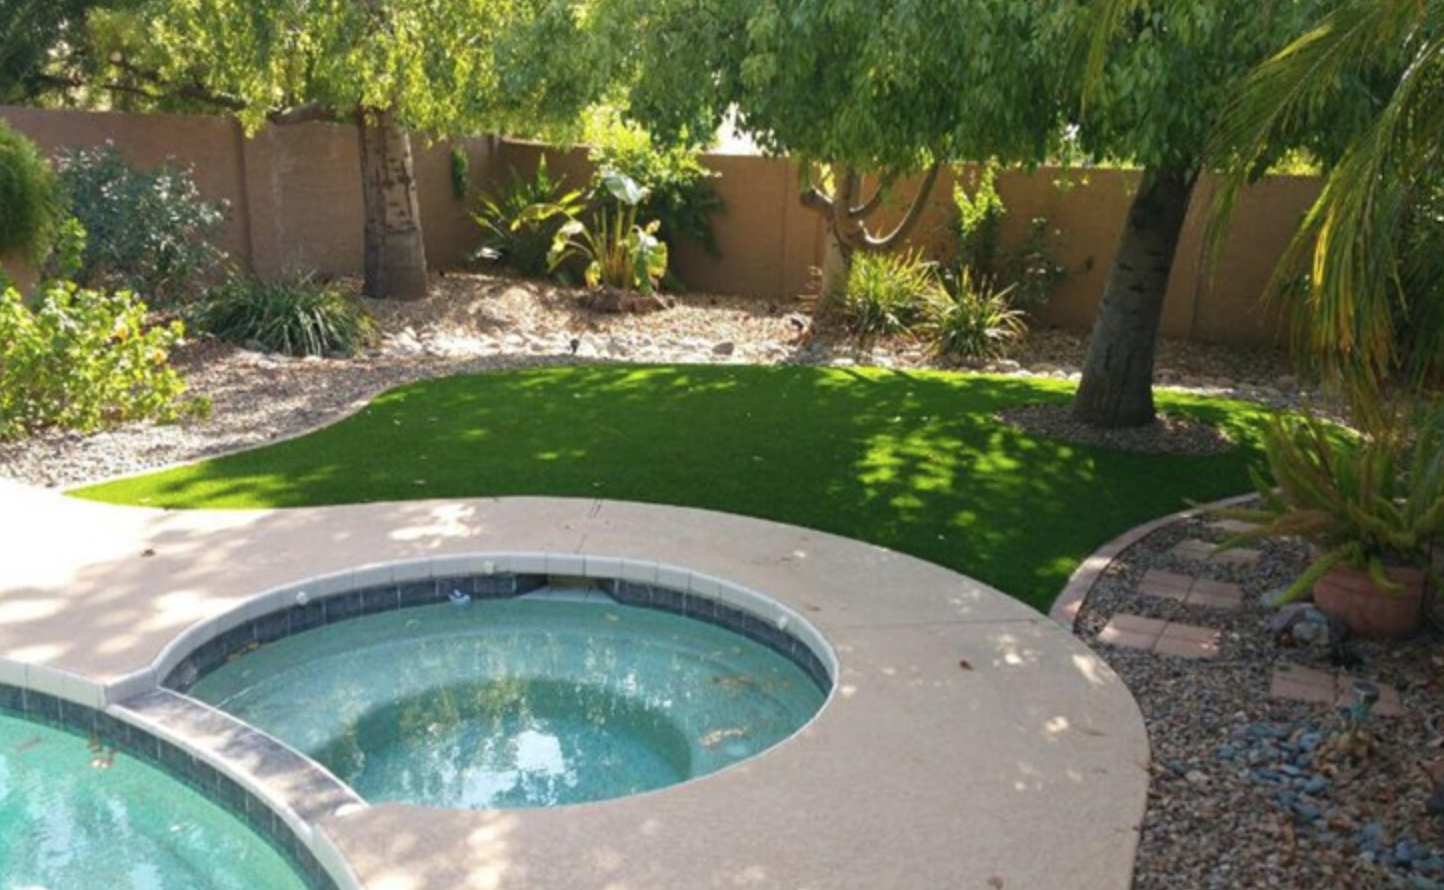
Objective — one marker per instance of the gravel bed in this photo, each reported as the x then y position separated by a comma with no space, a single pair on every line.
474,323
1249,792
1168,434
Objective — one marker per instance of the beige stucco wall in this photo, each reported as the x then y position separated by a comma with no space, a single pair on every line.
295,207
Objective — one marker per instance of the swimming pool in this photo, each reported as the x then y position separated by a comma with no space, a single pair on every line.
518,703
77,815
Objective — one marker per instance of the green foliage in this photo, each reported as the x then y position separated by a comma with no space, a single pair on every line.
147,232
28,203
41,42
1032,268
82,360
460,173
618,251
443,66
680,192
296,318
886,293
980,218
1028,270
1163,71
1365,244
971,320
1363,500
520,221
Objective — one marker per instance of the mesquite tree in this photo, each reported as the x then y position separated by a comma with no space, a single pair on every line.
863,94
1163,71
389,66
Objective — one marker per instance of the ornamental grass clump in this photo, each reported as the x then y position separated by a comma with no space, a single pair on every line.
296,318
886,293
972,321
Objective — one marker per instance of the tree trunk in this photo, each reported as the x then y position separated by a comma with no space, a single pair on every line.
1117,386
836,266
395,248
846,216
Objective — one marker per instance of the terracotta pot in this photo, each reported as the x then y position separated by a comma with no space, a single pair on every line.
1351,596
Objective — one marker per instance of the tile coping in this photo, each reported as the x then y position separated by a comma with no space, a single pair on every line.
140,729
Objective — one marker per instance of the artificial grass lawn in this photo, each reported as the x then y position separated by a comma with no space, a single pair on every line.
911,461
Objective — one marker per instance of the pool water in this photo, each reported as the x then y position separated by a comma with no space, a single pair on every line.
509,704
76,816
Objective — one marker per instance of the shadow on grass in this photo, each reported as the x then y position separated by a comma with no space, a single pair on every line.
910,461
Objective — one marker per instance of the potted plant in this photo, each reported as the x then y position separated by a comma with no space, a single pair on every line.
1372,506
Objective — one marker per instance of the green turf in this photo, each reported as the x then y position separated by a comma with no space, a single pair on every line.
911,461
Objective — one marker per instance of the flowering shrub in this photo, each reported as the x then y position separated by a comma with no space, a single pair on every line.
82,360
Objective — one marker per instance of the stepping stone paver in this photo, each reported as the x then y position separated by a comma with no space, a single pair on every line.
1232,527
1290,682
1191,591
1163,637
1203,551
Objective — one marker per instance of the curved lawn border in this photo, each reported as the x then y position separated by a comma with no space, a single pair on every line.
905,460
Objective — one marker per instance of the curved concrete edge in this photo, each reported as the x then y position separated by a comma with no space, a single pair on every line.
1069,603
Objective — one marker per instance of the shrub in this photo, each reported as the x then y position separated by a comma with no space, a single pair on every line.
972,320
1029,269
514,233
680,192
886,293
83,359
980,218
29,207
148,232
294,318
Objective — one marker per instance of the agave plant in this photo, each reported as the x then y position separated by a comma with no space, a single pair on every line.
1367,501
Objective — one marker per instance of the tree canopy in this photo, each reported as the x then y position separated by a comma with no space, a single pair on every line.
440,65
879,85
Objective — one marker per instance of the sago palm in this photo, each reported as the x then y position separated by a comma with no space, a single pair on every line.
1369,250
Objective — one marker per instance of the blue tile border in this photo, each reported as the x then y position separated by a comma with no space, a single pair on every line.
177,763
346,605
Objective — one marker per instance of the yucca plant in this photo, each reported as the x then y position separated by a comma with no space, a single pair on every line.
972,320
296,318
1367,501
886,293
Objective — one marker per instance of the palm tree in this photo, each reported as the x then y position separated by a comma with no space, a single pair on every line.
1372,312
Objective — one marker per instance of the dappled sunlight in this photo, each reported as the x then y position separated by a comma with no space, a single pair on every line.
449,521
1093,669
912,461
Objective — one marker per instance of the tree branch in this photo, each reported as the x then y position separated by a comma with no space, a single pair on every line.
196,92
813,198
867,209
914,214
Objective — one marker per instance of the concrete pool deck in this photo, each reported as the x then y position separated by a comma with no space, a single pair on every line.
971,742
